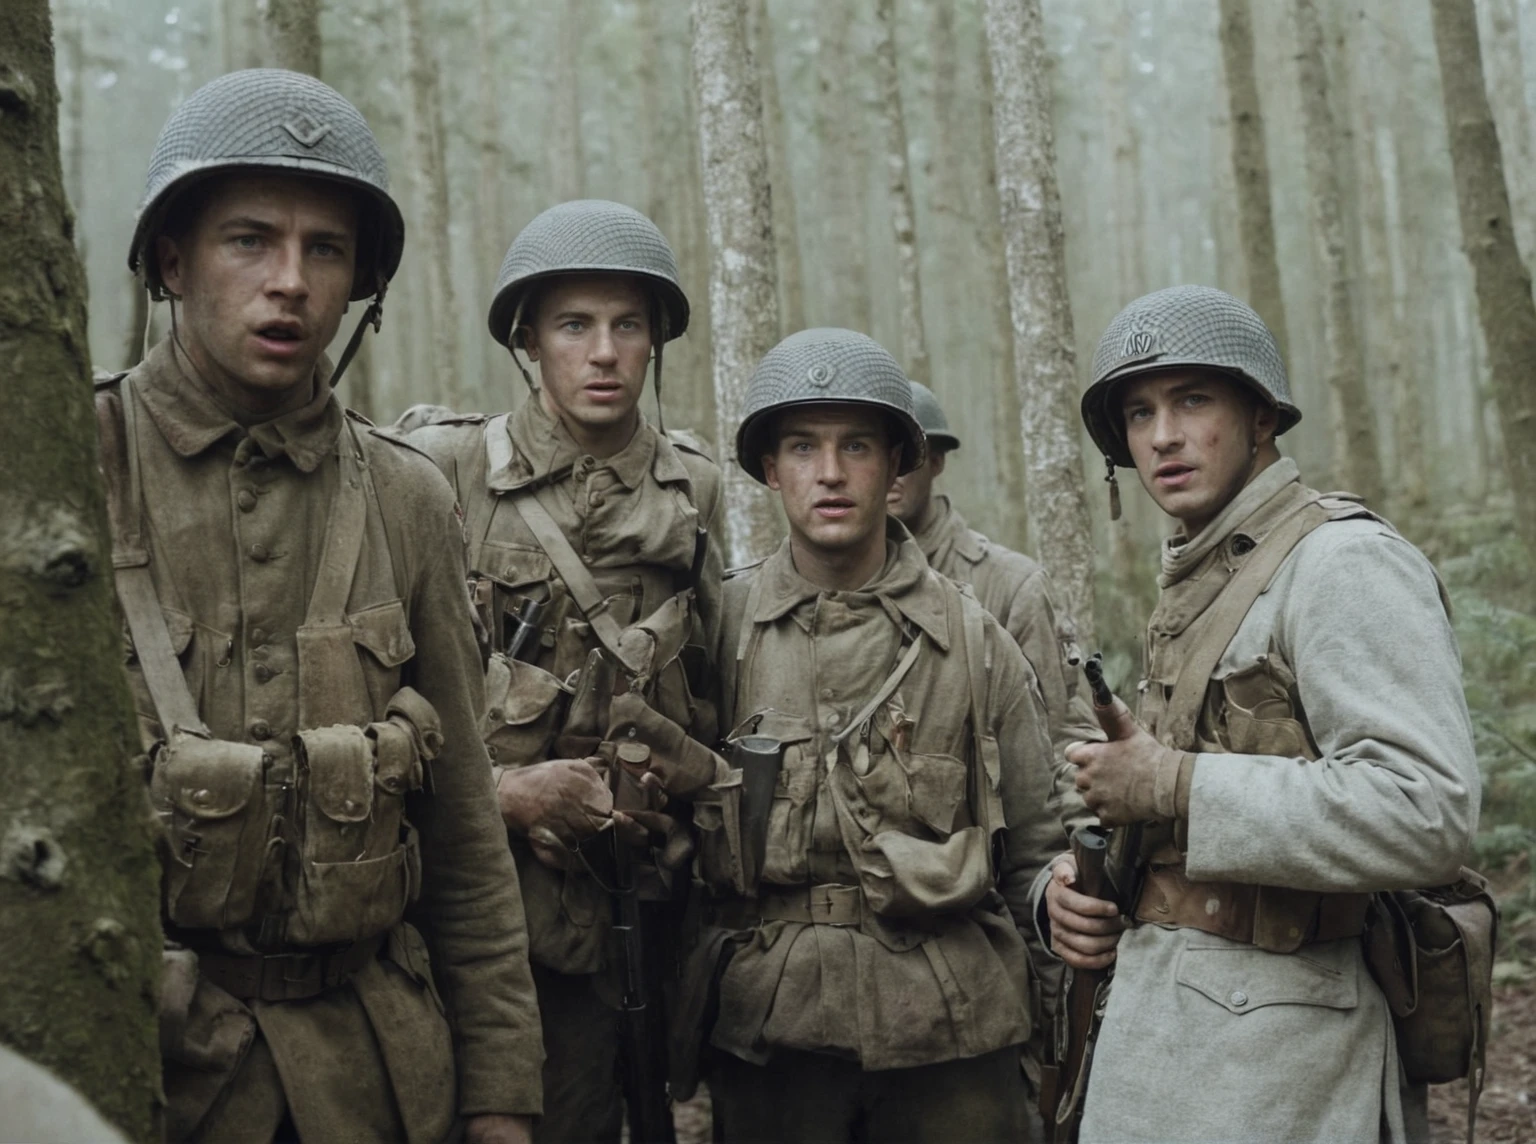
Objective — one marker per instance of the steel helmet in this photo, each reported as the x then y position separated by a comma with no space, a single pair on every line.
930,415
270,119
826,367
588,236
1183,326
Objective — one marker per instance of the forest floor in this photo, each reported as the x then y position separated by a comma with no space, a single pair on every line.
1507,1111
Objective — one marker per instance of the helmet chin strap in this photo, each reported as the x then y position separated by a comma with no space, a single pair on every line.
659,324
372,316
1114,489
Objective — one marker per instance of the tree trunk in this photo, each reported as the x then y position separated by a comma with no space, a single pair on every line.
431,180
291,30
786,225
909,279
241,33
1250,165
1356,459
844,235
1504,303
743,295
1042,313
489,199
79,878
567,160
1506,91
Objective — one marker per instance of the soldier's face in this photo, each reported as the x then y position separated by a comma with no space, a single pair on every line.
1196,439
263,273
910,495
592,340
833,468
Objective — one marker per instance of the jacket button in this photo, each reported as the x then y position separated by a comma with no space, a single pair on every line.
246,500
202,797
262,672
260,730
258,636
1238,998
260,553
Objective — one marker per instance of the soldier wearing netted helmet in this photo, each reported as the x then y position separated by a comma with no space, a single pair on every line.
1302,743
305,665
869,980
595,565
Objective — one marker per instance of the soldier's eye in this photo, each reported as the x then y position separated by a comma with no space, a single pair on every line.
247,241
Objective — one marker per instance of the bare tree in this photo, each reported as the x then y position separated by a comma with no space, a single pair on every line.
1042,312
567,160
291,30
842,154
489,198
898,176
786,226
743,293
1505,307
429,166
1505,66
79,880
1356,458
1250,165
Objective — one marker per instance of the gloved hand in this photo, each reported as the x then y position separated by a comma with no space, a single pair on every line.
1132,777
556,805
647,741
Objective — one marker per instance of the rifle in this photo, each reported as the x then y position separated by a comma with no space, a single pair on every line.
525,627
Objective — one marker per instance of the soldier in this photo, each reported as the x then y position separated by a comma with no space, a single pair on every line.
877,986
595,571
304,664
1304,741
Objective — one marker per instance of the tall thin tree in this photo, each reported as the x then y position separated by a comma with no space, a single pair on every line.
898,182
1357,460
1250,165
1504,303
786,223
430,169
291,31
743,293
842,153
79,880
1044,353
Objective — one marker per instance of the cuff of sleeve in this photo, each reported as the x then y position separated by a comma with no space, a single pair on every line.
1042,920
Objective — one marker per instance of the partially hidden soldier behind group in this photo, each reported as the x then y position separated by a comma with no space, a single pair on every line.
596,574
346,954
858,975
1303,742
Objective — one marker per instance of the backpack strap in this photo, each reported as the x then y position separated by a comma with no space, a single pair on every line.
984,777
117,423
1177,725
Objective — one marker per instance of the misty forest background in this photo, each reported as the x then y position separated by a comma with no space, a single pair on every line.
491,110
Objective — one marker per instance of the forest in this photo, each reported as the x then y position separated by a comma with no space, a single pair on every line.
1324,159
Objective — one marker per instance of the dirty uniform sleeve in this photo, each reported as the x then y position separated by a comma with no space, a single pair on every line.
1393,800
1035,833
1032,622
470,898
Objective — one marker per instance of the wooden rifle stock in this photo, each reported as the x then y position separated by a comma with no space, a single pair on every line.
1074,1041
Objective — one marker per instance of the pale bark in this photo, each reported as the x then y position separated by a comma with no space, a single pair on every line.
242,34
1356,458
567,159
291,34
898,181
79,880
494,229
844,234
786,224
1250,166
742,291
1042,313
1505,67
430,173
1505,308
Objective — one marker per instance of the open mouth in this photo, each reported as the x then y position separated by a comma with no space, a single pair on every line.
604,390
1172,474
834,508
280,337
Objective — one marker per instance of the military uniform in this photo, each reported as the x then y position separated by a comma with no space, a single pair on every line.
639,526
308,685
876,982
1301,649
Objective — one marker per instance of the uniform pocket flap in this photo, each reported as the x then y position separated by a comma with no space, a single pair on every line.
778,725
513,565
937,783
207,779
1242,978
339,766
383,630
517,693
179,626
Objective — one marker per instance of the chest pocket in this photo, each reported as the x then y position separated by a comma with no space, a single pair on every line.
1254,710
201,650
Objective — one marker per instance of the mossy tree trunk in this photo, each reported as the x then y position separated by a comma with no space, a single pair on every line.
79,880
1504,304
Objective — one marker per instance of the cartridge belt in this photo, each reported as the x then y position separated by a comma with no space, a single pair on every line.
827,904
293,976
1273,918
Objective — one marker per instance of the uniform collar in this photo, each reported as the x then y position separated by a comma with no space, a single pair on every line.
947,530
192,420
544,451
1242,514
906,588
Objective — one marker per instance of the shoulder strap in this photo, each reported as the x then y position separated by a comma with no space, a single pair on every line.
985,775
886,689
578,580
343,535
168,691
495,454
1177,726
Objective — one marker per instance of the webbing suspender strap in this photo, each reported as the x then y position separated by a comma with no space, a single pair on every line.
344,530
578,581
495,455
1177,725
161,669
887,689
979,667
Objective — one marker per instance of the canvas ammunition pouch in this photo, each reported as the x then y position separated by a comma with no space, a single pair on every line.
234,813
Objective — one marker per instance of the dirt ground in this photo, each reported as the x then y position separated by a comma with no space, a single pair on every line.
1507,1112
